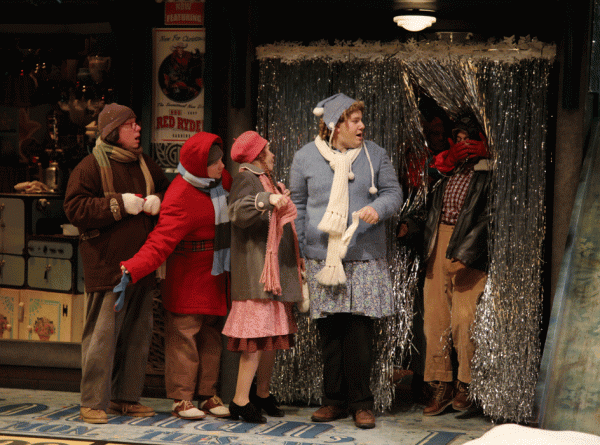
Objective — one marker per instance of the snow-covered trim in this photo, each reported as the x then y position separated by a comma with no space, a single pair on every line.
507,49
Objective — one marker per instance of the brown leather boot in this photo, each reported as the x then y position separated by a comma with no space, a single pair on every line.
134,409
443,394
364,418
329,413
461,401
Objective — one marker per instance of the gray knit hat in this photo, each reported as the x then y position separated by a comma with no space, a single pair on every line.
332,108
111,117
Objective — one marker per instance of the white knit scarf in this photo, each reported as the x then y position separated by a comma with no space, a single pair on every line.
335,219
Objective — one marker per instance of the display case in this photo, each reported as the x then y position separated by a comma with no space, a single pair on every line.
9,313
27,314
41,276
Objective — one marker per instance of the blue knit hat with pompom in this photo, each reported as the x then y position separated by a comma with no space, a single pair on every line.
332,108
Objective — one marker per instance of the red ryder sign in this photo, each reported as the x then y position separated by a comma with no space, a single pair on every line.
184,12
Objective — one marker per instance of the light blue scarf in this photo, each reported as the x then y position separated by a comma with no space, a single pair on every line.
218,196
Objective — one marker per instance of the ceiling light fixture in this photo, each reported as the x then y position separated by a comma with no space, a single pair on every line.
415,20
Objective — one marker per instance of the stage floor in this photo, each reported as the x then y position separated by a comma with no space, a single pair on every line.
52,418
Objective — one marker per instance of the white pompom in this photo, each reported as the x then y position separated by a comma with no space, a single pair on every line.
373,190
319,111
351,175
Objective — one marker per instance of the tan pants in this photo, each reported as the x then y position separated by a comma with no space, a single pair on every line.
450,294
193,348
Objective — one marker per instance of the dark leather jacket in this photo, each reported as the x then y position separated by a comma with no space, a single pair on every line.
469,240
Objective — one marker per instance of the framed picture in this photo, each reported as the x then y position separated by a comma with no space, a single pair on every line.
177,90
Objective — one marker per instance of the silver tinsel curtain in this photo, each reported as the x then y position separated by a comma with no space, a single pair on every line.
506,86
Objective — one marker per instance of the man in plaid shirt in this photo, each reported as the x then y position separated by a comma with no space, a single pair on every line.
455,234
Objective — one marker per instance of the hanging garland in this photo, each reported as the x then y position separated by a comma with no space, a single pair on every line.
507,50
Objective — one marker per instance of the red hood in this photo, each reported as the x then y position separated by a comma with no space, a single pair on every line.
194,153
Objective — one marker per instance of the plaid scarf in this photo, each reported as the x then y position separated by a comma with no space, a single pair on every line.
218,195
103,152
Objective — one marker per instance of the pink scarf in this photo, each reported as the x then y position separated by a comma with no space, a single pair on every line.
278,218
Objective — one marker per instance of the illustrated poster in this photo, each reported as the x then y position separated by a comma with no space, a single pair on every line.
178,90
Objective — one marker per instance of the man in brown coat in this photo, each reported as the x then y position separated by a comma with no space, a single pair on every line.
111,197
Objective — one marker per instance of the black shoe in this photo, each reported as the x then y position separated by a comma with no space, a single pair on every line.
248,412
268,404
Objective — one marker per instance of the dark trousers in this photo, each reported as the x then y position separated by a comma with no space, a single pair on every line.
347,349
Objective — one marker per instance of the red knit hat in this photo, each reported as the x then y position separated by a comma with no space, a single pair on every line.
247,147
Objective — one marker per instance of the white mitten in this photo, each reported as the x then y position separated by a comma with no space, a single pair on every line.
133,203
152,205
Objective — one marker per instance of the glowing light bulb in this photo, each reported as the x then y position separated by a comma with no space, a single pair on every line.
414,23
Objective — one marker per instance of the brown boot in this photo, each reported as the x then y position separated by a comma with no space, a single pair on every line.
329,413
461,401
364,418
443,393
134,409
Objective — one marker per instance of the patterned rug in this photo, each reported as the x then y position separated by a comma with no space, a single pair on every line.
52,418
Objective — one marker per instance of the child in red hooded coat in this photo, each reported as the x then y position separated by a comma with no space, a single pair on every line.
193,236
